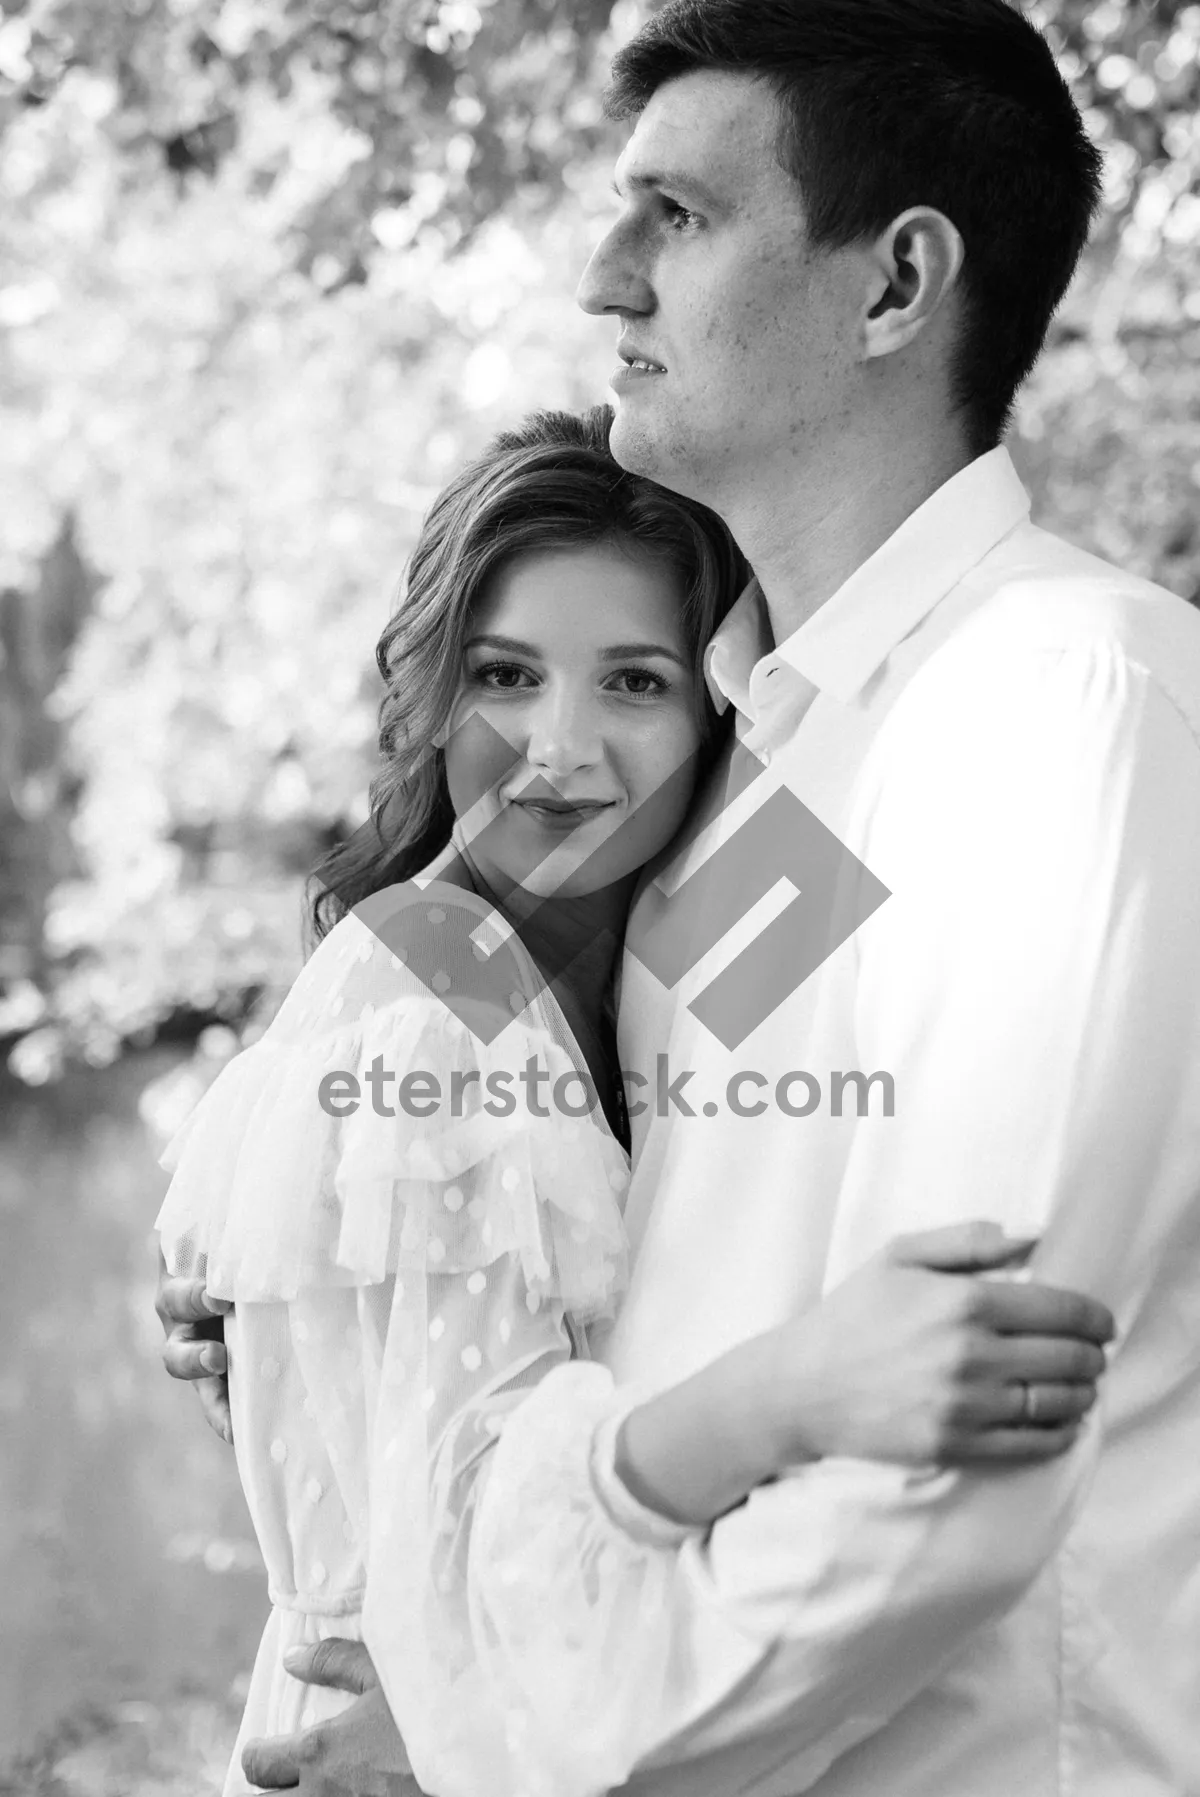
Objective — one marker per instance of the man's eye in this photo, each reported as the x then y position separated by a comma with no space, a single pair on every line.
679,218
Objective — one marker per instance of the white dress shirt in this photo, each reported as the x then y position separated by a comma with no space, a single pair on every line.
1006,731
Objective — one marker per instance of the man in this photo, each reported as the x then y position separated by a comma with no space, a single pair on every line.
845,226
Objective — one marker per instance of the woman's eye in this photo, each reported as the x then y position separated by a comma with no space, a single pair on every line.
640,683
502,676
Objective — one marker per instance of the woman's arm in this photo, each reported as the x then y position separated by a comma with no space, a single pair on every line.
912,1360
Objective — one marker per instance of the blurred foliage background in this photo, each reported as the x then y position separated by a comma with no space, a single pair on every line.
268,270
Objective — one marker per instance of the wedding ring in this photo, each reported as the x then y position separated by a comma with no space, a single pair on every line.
1028,1404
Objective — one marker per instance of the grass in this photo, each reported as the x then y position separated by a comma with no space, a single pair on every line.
176,1749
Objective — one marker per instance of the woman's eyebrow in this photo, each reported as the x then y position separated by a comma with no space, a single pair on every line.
620,652
508,643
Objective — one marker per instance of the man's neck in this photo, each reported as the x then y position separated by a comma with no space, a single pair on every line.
805,534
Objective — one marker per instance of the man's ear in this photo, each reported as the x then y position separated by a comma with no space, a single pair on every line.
914,265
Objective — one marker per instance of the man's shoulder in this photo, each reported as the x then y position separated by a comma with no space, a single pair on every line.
1046,633
1039,595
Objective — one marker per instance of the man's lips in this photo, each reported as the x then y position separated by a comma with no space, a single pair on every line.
636,358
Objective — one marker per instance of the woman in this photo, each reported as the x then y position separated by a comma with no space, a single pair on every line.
406,1266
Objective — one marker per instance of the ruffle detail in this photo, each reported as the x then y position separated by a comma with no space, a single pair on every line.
273,1195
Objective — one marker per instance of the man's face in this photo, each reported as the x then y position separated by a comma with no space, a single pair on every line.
751,333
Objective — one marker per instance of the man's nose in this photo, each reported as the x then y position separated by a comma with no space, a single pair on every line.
564,736
615,280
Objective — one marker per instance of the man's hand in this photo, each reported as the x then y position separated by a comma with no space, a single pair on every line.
358,1754
195,1348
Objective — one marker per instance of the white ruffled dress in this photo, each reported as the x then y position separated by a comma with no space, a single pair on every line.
400,1284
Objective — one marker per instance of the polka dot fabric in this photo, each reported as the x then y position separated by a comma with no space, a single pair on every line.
400,1285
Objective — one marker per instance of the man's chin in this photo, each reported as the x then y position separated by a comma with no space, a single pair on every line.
628,441
637,448
641,450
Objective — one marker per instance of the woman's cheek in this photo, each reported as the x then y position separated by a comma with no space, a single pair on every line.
478,755
673,743
661,777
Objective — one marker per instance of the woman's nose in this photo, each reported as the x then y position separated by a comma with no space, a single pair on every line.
564,736
614,280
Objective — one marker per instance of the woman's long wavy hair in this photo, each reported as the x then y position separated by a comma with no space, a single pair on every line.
552,483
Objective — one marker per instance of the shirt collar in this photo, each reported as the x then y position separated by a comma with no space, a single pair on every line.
740,641
850,636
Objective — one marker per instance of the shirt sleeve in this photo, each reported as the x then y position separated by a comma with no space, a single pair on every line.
1033,986
459,1352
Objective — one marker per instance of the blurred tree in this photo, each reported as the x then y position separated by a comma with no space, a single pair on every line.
447,108
269,269
451,107
1109,427
38,628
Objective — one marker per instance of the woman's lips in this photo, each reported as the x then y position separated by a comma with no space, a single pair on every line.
561,815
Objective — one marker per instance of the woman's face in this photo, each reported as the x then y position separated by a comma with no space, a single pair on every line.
577,705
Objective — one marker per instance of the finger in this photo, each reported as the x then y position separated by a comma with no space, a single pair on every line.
273,1765
1014,1446
1050,1359
1052,1405
214,1402
1036,1309
342,1665
189,1354
187,1301
1047,1406
961,1248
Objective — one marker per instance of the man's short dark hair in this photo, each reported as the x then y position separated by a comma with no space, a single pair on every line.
887,104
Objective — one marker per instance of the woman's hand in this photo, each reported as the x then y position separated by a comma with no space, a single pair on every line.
917,1359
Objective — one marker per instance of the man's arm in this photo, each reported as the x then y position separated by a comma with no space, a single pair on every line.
195,1346
1034,987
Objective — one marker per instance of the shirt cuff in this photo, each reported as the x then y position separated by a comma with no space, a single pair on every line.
624,1511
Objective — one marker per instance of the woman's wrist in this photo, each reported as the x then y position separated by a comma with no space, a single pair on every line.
796,1404
696,1450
